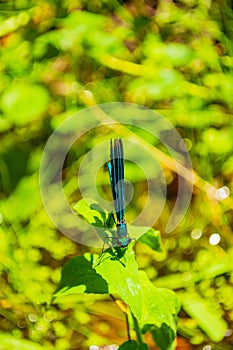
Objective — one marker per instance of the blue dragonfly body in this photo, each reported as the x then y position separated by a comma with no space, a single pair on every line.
116,173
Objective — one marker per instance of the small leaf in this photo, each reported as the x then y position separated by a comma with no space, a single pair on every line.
152,239
163,336
180,280
160,308
9,342
133,345
79,276
218,141
97,217
93,213
23,102
201,310
119,268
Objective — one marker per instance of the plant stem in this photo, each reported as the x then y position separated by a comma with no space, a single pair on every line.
120,305
137,329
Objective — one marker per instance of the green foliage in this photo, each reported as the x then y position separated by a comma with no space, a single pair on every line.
133,345
9,342
15,102
79,276
202,311
116,272
152,238
123,277
58,57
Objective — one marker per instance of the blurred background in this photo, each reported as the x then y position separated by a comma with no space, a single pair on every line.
59,57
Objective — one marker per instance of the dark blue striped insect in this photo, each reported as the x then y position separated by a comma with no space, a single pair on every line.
116,173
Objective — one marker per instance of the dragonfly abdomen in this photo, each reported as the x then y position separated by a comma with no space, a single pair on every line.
116,173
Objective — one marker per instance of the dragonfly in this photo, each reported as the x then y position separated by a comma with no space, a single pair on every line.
116,174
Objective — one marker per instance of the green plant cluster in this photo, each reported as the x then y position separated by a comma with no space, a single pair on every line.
58,57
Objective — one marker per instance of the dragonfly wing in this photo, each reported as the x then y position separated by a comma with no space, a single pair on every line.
116,173
120,178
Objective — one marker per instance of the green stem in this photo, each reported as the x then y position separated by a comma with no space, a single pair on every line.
137,329
126,317
135,323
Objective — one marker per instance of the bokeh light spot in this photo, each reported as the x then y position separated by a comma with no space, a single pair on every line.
222,193
196,233
214,239
32,317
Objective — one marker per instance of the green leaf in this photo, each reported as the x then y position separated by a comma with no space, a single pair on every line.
26,192
133,345
161,84
183,114
160,308
92,212
97,217
218,141
77,26
184,279
201,310
23,102
79,276
119,268
152,238
163,336
114,271
8,342
164,54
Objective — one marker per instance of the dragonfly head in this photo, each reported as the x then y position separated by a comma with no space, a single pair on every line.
124,241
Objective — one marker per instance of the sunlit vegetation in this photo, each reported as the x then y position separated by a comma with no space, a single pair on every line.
60,57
